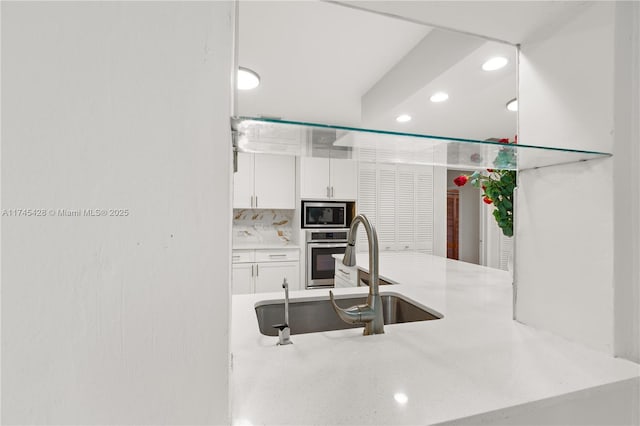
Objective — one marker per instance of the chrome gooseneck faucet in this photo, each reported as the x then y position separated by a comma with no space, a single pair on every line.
369,314
284,331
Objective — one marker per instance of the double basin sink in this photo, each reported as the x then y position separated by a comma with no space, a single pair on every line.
312,316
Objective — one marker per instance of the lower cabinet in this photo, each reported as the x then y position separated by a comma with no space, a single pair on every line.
243,278
345,276
269,276
261,271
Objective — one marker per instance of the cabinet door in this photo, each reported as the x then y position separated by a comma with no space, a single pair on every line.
405,217
242,278
270,275
243,182
386,225
344,179
314,178
424,208
342,283
275,181
367,199
349,274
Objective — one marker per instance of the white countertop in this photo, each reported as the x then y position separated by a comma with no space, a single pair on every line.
475,359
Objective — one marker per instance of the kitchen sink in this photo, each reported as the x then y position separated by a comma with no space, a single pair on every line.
312,316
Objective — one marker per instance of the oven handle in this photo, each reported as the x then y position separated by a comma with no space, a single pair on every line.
325,245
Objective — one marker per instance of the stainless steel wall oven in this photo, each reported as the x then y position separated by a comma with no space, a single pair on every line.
321,245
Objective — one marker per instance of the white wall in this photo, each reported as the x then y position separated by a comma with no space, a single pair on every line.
564,244
468,218
116,320
440,211
469,231
626,179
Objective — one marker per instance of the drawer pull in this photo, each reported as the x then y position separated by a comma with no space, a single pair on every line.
345,272
277,255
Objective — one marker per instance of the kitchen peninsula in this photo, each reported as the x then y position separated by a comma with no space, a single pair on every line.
474,360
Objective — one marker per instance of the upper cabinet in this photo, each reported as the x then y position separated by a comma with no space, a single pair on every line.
328,179
264,181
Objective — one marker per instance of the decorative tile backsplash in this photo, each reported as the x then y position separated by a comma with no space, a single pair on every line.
268,227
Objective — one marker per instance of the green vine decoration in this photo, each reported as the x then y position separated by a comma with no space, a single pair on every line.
497,186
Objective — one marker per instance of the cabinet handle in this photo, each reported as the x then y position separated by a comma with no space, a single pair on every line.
345,272
328,193
251,270
257,270
256,201
332,192
252,201
277,255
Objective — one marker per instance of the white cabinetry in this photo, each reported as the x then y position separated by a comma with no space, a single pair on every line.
259,271
242,278
269,276
345,276
264,181
398,200
328,179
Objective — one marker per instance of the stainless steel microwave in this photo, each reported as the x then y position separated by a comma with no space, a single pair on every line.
323,214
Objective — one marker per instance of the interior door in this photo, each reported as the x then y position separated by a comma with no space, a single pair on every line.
452,223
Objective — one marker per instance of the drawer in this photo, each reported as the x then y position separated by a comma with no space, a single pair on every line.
347,273
342,283
242,256
281,255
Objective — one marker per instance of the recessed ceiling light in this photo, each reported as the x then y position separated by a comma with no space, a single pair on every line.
512,105
247,79
495,63
403,118
439,97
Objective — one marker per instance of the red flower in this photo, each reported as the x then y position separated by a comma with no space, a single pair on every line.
490,170
487,200
484,188
461,180
505,140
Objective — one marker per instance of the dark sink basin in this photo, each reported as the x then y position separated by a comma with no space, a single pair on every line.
312,316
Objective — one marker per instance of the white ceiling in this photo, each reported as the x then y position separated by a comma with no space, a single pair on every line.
515,22
318,60
476,108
